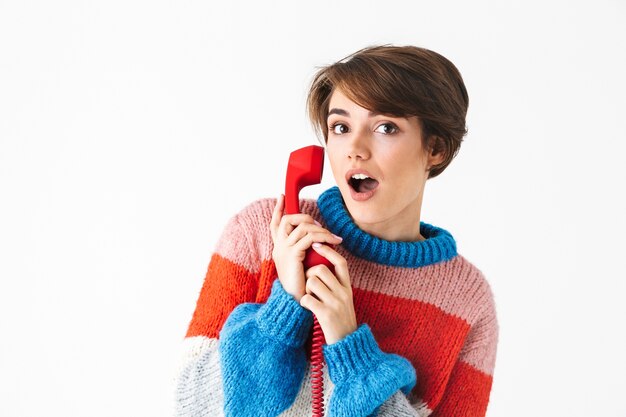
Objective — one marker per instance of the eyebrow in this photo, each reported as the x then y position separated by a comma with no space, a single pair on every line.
342,112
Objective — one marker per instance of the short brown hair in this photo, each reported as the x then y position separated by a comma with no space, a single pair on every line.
401,81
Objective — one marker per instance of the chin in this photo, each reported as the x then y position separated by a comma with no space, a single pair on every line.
362,213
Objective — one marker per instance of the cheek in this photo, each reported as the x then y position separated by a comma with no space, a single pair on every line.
405,168
333,151
334,166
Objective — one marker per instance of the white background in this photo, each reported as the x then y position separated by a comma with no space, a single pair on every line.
130,131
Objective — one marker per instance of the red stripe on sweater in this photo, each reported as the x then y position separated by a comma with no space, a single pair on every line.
428,337
268,276
467,394
225,286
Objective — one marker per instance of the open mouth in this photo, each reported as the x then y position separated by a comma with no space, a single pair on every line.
362,183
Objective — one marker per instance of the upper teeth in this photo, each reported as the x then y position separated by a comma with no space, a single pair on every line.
359,176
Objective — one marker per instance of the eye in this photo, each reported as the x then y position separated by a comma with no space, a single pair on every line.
387,129
338,128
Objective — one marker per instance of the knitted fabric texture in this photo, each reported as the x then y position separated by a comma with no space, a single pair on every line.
425,345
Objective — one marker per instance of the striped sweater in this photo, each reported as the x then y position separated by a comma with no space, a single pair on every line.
425,345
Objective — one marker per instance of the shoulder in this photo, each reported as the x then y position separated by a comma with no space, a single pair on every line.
247,234
474,296
480,346
246,237
259,212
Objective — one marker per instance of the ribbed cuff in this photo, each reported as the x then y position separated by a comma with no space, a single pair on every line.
356,354
283,318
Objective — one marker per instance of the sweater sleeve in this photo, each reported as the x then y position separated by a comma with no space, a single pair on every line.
363,375
241,357
262,355
231,279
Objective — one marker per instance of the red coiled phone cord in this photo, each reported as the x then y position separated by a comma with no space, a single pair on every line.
317,363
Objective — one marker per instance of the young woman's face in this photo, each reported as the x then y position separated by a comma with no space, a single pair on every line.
389,151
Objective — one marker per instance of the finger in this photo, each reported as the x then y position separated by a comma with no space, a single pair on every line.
317,288
277,214
338,261
308,234
299,232
310,303
325,276
290,221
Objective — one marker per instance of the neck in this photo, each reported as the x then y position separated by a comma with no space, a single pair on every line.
400,233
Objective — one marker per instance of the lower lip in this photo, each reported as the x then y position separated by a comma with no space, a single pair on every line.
362,196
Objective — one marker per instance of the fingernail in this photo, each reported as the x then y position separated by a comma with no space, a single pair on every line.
317,245
317,223
338,237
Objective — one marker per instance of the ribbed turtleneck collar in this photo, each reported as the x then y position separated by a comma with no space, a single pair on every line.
439,245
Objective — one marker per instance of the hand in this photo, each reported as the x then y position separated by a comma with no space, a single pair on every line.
329,296
292,235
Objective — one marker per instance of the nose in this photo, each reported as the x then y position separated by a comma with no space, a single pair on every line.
358,147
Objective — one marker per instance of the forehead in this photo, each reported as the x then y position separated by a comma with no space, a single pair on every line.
342,105
340,101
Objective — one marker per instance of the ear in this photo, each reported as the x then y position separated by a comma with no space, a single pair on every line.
435,151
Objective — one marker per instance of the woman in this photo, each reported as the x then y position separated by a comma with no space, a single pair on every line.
410,324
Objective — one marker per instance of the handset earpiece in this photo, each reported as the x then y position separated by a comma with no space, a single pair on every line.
305,167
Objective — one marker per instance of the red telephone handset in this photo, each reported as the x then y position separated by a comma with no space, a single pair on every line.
305,168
